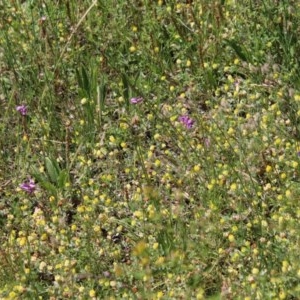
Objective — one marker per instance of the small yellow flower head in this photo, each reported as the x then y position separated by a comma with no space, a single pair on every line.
132,49
231,238
150,117
157,136
285,266
123,125
230,131
157,163
97,228
112,283
155,246
233,187
236,61
92,293
297,97
294,164
138,214
112,139
288,193
277,141
12,295
234,228
196,168
200,294
83,101
255,271
160,261
282,295
268,169
139,248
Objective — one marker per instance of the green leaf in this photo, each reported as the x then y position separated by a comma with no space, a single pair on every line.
62,179
43,181
37,175
240,52
86,82
79,79
52,169
126,88
49,187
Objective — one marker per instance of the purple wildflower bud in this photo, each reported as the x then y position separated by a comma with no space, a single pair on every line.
136,100
186,121
298,153
207,142
28,186
22,109
106,274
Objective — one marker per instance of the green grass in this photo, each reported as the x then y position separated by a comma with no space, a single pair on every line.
129,202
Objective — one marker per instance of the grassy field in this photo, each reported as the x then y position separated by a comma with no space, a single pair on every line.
149,149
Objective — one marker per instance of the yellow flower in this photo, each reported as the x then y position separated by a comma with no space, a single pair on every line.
255,271
197,168
83,101
92,293
160,261
139,248
132,49
268,168
155,246
233,187
231,238
282,295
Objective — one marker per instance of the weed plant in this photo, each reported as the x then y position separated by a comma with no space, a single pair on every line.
149,149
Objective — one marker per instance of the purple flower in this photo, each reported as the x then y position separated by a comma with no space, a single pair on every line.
22,109
207,142
28,186
136,100
186,121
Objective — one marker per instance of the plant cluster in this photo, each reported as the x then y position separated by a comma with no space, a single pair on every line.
149,149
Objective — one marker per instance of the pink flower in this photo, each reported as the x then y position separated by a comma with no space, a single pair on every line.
28,186
136,100
22,109
186,121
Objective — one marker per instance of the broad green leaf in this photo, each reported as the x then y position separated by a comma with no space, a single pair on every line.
52,169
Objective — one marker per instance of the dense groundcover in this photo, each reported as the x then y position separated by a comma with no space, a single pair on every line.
149,149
